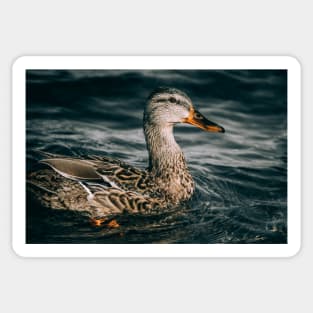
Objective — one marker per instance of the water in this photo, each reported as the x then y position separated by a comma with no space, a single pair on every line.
241,176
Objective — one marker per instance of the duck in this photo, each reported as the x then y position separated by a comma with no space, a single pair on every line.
101,186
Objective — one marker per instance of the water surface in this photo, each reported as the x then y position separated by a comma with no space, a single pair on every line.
241,176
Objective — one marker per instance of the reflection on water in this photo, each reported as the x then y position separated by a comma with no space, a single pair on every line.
241,176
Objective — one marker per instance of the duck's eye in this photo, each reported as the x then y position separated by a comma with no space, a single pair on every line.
198,116
172,99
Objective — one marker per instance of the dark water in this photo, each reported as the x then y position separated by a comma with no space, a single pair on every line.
241,176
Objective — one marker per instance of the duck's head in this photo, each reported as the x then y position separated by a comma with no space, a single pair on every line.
168,106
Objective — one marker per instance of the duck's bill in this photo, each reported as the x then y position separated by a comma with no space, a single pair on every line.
197,119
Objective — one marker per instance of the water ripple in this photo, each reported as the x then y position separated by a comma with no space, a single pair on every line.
241,176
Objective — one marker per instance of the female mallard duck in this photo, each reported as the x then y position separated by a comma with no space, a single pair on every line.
104,186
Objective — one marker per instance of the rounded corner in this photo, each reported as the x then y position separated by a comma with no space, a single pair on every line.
294,61
295,251
16,251
19,61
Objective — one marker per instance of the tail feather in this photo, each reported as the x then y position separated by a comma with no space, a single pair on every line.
39,186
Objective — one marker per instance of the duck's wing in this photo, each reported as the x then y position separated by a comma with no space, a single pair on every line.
73,168
113,172
55,191
112,201
97,200
123,175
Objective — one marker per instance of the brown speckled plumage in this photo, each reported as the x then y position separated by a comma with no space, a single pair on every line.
104,186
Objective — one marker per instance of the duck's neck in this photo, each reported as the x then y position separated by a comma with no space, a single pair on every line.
165,156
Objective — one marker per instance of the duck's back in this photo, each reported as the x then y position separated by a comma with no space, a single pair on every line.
98,185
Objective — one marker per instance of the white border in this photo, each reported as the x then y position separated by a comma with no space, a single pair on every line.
156,250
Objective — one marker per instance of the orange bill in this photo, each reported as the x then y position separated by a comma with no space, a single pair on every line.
197,119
